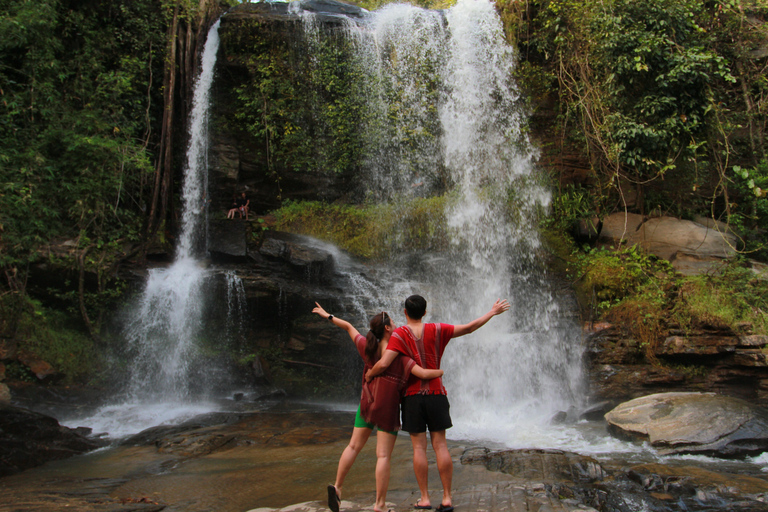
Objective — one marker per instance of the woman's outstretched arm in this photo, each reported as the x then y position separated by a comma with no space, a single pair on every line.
338,322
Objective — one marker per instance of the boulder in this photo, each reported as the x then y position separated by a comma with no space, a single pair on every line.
228,238
314,264
665,236
29,439
43,370
693,423
8,349
5,394
619,226
691,247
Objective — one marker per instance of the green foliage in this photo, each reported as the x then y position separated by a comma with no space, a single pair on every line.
750,215
303,100
663,96
644,296
373,231
573,202
50,336
724,300
76,85
611,277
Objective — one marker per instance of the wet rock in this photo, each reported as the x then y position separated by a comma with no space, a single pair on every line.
227,238
697,423
537,464
29,439
597,411
313,264
5,394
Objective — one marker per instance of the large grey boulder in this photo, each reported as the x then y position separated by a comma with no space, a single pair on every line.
695,423
691,247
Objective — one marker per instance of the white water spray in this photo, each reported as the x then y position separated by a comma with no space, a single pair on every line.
449,111
165,330
163,334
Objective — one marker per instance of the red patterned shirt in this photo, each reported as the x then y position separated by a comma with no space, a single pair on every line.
427,351
380,400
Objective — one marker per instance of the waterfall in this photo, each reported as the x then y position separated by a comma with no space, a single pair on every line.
166,327
448,76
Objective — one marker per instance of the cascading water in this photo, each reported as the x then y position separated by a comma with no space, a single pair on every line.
445,109
163,332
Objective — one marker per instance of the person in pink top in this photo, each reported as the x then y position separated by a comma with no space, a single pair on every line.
425,404
379,404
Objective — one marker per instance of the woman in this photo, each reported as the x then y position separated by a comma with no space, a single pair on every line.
379,404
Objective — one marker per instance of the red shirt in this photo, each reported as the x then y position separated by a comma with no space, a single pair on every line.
380,400
426,351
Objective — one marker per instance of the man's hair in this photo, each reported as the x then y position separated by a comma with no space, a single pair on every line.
415,307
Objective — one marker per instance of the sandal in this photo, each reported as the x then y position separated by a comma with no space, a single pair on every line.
333,498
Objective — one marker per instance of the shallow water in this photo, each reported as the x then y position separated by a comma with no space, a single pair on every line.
284,455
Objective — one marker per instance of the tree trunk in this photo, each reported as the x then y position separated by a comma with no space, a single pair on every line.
163,168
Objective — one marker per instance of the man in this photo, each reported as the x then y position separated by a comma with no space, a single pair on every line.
244,205
425,405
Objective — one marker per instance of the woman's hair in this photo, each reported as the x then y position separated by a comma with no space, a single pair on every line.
378,323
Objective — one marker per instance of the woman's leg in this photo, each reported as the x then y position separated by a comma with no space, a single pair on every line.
385,443
348,456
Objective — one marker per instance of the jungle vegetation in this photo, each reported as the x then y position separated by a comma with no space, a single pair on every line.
665,102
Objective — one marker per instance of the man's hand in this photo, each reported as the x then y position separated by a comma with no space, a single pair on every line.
499,307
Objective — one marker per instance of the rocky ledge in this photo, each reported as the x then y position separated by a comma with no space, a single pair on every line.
29,439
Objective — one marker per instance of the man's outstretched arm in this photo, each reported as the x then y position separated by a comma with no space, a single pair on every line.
386,359
499,307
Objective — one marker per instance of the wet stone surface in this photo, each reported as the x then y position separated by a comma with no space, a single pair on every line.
282,459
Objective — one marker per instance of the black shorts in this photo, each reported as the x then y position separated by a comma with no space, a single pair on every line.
422,412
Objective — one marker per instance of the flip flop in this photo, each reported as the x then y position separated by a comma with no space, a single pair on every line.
421,507
444,508
333,498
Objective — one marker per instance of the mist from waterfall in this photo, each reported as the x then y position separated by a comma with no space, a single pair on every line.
445,109
165,329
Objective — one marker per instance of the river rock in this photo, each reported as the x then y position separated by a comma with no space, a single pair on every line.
29,439
695,423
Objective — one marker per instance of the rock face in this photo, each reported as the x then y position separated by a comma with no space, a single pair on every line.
697,423
30,439
706,360
252,35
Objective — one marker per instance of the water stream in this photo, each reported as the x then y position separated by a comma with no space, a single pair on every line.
167,373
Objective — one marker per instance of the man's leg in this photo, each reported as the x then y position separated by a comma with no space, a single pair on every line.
444,464
420,465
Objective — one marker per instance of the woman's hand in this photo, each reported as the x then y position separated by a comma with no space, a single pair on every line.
320,311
